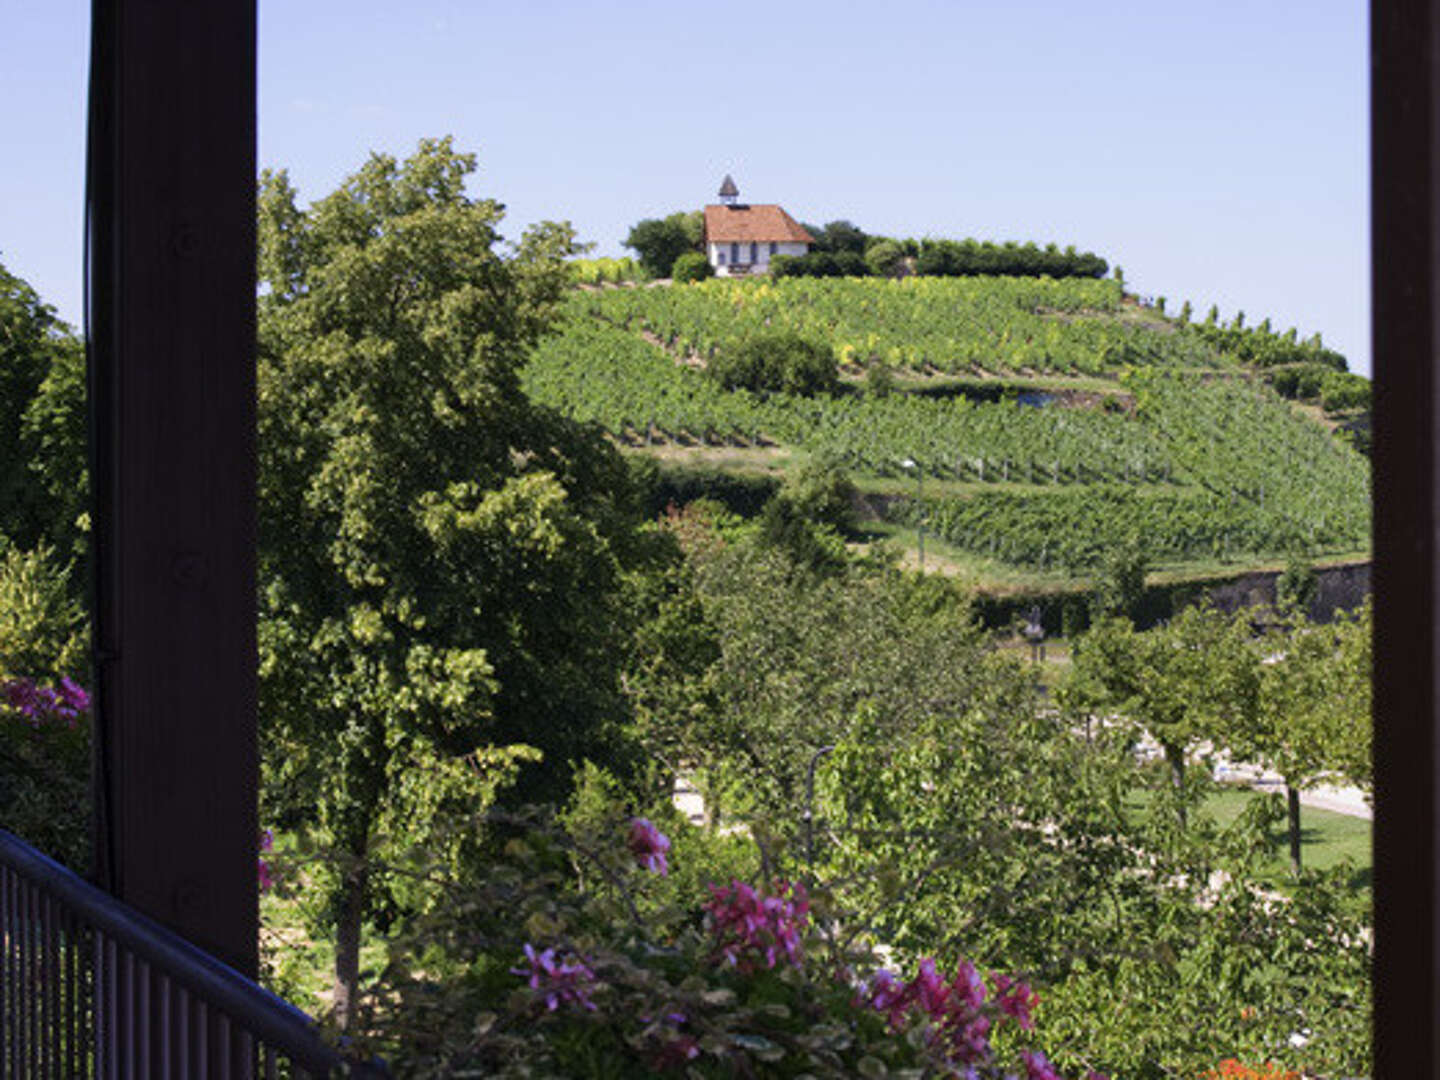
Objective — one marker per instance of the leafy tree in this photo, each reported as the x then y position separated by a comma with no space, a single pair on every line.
1121,588
885,258
441,561
838,236
42,626
777,363
1302,719
822,492
692,266
1295,588
660,241
42,423
1180,683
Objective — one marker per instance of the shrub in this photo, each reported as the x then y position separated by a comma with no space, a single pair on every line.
780,363
41,626
692,266
1342,390
883,257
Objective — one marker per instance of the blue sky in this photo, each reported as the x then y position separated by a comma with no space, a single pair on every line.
1217,151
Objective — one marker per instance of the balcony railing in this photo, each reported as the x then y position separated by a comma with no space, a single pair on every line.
89,987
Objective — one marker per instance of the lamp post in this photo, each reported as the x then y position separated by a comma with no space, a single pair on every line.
910,466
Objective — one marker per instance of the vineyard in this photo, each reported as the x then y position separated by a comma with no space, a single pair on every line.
1182,447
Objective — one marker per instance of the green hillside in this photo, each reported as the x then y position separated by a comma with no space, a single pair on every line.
1051,419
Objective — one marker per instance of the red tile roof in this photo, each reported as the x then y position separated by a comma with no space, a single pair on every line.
765,224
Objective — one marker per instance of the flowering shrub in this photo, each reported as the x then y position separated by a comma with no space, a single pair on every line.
45,765
1231,1069
39,704
649,846
556,983
263,872
748,925
625,977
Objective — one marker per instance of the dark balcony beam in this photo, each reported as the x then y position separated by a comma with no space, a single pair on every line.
1405,218
171,324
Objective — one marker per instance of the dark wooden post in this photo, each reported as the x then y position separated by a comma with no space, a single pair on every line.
1405,107
172,328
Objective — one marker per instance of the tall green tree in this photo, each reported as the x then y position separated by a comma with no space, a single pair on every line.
658,242
1311,715
42,423
1180,683
441,561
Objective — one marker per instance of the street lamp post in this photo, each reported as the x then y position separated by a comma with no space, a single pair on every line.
909,465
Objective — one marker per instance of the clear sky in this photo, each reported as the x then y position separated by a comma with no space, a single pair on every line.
1217,151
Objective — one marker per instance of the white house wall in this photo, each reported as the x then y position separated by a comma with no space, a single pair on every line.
719,256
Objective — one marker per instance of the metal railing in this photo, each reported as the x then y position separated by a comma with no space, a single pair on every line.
90,987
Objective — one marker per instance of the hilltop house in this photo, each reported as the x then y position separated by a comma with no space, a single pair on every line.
741,238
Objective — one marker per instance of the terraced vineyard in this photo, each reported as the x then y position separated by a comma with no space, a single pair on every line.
1171,442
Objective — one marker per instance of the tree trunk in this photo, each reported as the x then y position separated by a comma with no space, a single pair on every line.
1292,799
347,941
1175,755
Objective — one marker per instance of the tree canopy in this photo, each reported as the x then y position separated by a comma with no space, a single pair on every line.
441,561
658,242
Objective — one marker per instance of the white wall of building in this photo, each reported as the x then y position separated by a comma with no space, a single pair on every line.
720,256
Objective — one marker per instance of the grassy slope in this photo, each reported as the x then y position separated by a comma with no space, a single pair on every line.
686,322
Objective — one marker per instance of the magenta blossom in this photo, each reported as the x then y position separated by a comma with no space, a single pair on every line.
1038,1067
649,845
555,983
1015,998
748,925
39,703
74,698
262,870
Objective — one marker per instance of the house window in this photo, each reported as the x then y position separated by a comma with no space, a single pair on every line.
735,252
754,252
720,257
773,247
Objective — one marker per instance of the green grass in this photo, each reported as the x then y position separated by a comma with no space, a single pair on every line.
1327,839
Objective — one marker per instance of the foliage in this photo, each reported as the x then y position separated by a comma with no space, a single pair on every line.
1121,587
42,626
442,562
822,492
45,766
1179,684
1264,348
820,264
692,266
658,242
969,258
1297,584
884,258
604,271
837,237
777,363
611,973
42,423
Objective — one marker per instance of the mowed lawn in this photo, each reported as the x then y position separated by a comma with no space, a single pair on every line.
1327,839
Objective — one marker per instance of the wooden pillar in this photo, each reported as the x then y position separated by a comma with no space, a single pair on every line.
172,331
1405,108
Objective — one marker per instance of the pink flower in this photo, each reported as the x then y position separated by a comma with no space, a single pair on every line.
748,925
649,845
1016,999
885,993
74,696
38,703
1037,1067
262,872
555,983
